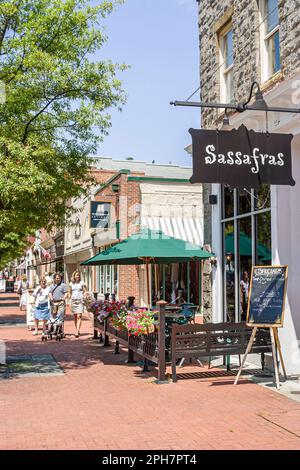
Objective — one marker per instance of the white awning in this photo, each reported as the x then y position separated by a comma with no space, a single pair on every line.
188,229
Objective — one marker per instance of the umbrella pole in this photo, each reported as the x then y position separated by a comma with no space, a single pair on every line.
148,283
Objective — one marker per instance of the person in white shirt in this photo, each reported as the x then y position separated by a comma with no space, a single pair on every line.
42,305
23,287
77,293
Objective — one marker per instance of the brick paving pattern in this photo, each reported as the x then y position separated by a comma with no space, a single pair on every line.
99,402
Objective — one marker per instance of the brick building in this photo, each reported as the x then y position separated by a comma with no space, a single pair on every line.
135,196
241,42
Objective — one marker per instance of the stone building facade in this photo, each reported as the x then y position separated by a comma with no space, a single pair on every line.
242,42
247,19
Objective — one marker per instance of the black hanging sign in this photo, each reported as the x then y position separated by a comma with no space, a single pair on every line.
267,296
241,158
100,214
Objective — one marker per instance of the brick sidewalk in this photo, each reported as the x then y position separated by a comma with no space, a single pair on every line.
99,402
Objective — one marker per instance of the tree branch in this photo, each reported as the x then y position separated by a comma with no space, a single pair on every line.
56,97
3,32
33,118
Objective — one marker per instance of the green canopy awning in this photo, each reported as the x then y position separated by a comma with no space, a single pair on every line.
149,246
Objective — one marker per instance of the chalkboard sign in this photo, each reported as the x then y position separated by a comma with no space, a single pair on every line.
267,296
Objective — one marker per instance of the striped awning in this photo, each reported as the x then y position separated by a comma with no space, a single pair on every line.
188,229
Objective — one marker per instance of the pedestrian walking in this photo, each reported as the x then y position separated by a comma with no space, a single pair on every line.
58,293
22,290
42,305
77,293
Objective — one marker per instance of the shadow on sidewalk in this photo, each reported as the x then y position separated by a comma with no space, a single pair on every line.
12,318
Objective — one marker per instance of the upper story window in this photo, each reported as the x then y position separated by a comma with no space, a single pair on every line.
226,58
270,46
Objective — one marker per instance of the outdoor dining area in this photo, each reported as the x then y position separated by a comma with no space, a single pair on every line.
165,333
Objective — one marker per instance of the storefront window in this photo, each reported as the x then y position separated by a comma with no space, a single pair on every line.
246,242
262,197
229,271
107,277
245,245
264,255
177,281
228,202
244,202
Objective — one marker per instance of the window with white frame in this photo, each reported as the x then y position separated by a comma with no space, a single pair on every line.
107,277
226,58
270,45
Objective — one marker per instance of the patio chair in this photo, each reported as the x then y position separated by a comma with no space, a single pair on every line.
188,311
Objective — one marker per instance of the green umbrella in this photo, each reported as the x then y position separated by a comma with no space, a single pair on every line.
149,246
245,245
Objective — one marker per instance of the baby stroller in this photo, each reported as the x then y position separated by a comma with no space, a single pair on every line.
55,328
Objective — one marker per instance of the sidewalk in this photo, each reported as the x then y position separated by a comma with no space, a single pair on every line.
78,395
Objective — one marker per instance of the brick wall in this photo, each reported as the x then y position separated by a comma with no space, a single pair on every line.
125,204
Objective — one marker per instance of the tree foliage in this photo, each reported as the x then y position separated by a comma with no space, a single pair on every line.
55,112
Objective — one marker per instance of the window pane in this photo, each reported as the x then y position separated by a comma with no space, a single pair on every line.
244,202
228,49
245,247
273,15
116,280
228,202
276,52
229,85
263,197
194,282
229,265
264,253
102,279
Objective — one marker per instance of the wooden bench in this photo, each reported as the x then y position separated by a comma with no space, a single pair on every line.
215,339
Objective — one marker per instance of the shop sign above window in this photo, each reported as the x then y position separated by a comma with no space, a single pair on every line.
241,158
100,214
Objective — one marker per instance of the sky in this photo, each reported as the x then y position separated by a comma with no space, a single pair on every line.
159,40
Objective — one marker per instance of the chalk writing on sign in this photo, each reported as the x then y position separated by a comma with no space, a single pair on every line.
267,295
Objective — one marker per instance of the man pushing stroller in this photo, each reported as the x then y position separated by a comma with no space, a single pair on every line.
58,295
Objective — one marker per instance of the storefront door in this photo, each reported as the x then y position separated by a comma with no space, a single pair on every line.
246,237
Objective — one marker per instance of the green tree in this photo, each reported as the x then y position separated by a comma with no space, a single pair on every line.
55,112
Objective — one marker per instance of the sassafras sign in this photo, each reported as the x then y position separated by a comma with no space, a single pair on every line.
241,158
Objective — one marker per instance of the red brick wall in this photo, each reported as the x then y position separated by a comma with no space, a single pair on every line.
126,204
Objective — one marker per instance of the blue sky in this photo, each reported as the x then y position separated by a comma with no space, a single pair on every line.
159,40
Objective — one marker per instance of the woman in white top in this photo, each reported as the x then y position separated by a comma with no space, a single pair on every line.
77,292
23,292
42,305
